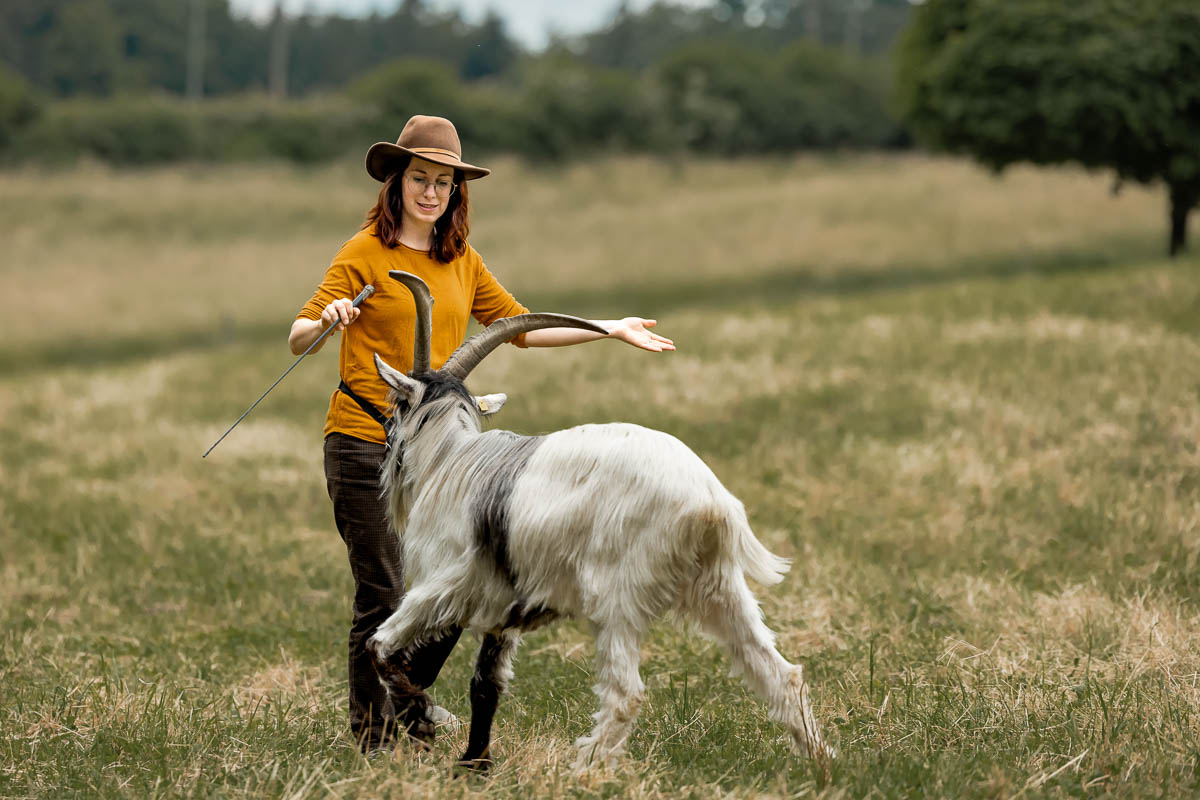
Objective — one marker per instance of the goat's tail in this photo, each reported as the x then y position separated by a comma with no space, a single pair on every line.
756,561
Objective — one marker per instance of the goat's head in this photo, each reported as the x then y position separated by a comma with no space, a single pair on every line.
424,386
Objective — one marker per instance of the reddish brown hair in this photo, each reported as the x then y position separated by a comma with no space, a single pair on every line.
450,231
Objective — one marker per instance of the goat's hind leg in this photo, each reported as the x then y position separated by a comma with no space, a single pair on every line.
620,689
726,608
493,671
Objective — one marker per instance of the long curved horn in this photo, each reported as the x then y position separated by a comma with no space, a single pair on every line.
473,350
424,326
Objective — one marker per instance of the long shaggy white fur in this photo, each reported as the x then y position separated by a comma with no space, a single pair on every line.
616,524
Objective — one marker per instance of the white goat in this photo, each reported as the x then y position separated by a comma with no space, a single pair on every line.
616,524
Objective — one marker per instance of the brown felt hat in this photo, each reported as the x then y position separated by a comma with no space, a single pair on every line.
431,138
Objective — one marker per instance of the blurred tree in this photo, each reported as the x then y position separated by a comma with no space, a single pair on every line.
237,51
330,51
489,51
83,49
635,41
197,39
855,11
834,99
97,47
868,27
277,69
570,107
722,97
17,106
812,19
735,79
1102,83
734,100
638,40
409,86
153,42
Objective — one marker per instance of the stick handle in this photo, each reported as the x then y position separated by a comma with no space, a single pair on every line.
366,292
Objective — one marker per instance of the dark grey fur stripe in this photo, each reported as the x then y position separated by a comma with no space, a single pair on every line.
493,497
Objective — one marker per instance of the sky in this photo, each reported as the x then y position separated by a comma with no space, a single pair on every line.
528,21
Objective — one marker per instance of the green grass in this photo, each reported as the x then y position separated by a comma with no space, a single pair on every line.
968,409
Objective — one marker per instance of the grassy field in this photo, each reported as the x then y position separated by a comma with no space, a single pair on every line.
968,408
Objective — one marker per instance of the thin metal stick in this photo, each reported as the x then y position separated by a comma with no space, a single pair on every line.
367,291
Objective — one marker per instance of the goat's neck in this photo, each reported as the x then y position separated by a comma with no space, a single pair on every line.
430,443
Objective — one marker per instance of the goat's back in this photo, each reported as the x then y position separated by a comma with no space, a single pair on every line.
609,513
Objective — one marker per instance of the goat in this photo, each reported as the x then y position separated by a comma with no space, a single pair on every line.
615,523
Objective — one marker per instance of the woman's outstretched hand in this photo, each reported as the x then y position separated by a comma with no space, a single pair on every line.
634,331
631,329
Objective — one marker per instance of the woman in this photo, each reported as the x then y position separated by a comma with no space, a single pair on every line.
419,224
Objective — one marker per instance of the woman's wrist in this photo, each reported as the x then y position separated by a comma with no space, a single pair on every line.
304,332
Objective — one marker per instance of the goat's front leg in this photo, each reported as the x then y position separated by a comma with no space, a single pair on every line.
389,647
415,618
409,702
493,671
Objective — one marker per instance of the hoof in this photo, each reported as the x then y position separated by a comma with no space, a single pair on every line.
377,747
587,760
421,732
441,718
821,752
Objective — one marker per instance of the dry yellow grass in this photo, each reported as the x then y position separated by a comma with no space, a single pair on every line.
104,253
987,481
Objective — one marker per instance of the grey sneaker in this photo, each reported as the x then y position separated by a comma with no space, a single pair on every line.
440,717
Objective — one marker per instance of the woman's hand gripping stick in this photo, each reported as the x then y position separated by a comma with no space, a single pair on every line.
367,291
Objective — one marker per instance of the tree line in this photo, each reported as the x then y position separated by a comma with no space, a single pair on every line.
101,47
1112,84
112,78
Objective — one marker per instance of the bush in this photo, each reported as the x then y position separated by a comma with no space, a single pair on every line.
570,108
710,97
831,100
308,131
727,99
136,130
400,89
18,108
562,108
720,98
121,131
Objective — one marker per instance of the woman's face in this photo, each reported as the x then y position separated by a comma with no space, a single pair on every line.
426,190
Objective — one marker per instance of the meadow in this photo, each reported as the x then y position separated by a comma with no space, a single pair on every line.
967,407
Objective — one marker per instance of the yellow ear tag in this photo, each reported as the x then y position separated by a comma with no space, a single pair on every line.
483,406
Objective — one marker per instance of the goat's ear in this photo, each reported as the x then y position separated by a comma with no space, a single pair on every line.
490,403
396,379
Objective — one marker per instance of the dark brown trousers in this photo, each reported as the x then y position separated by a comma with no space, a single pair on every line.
377,564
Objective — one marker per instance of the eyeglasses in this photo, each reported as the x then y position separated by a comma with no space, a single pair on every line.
442,187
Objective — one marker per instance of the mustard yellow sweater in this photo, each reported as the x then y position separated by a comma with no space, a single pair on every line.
386,325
